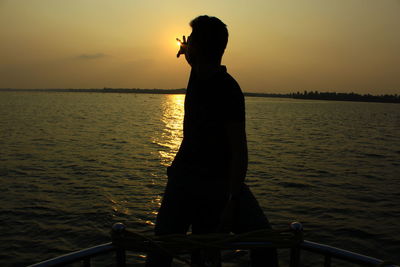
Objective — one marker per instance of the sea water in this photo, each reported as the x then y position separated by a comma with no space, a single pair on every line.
72,164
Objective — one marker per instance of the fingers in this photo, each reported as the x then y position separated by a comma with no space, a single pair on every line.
182,48
184,40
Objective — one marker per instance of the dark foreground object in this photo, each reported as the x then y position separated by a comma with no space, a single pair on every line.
174,245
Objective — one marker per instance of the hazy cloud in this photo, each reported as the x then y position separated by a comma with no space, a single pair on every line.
92,56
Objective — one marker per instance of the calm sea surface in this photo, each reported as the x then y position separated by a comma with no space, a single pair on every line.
72,164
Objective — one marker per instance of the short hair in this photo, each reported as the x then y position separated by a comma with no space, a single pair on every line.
210,36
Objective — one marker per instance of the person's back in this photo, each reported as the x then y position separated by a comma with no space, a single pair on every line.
205,188
209,105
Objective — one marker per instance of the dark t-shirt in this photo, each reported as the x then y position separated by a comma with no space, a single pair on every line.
209,104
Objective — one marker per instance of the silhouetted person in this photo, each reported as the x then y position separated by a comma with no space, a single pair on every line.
205,188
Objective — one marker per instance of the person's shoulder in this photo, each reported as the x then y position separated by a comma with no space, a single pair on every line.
230,99
229,85
234,85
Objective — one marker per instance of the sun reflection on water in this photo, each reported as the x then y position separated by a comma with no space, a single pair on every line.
171,136
168,140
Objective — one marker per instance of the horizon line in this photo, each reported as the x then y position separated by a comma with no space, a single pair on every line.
109,89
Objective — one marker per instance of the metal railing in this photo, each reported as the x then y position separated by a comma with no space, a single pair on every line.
327,252
84,256
330,253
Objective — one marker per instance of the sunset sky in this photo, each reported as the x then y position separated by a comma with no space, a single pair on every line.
275,46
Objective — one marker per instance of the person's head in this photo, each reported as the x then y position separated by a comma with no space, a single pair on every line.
208,40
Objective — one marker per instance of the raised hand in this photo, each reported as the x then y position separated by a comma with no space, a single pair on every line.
182,47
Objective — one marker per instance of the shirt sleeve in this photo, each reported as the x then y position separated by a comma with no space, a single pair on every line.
234,107
231,105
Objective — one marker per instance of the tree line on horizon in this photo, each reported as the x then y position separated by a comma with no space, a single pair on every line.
386,98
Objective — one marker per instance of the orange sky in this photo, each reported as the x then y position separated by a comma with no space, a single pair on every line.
275,46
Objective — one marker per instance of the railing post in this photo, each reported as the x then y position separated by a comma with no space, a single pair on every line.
295,251
327,261
86,262
119,229
121,257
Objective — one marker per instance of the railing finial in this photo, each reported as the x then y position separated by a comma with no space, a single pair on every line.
296,226
118,228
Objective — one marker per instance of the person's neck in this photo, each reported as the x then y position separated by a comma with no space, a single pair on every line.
206,70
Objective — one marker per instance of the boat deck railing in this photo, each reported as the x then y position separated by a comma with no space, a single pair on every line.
328,253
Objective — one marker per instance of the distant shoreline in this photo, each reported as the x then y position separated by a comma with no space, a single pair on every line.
305,95
104,90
